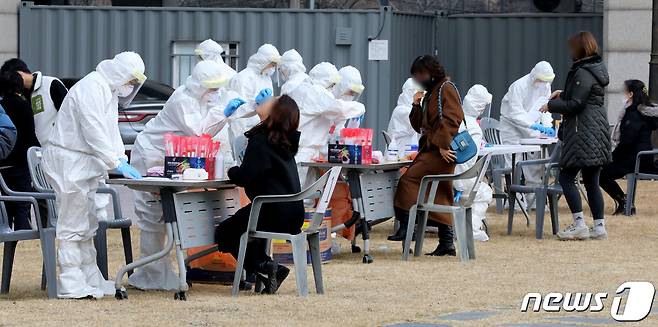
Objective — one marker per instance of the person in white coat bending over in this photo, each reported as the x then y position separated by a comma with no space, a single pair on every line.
319,112
475,102
186,113
520,116
291,71
399,127
249,83
85,144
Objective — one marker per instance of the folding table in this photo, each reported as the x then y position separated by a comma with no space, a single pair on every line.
372,188
191,210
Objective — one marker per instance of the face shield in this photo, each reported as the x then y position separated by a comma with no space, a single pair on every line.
127,92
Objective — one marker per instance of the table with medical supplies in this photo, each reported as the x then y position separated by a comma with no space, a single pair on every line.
372,188
191,210
543,142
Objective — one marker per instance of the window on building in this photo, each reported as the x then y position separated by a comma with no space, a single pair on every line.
184,59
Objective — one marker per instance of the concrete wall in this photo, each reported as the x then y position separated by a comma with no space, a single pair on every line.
627,39
9,26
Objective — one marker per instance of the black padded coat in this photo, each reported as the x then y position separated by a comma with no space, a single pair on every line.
585,131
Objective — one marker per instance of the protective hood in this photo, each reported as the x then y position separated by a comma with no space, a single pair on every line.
121,69
291,64
542,71
206,75
265,55
476,100
350,80
409,88
209,50
325,75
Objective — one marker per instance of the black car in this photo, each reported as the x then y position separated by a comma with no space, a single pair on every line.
146,105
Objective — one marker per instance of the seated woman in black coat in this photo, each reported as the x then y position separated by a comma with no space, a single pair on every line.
631,134
268,168
17,173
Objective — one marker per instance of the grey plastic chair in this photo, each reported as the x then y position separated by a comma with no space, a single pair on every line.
461,213
497,167
632,178
100,240
387,138
10,238
323,188
541,192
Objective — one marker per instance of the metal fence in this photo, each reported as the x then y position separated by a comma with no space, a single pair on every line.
493,50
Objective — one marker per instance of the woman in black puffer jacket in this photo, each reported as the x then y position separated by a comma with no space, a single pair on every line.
584,133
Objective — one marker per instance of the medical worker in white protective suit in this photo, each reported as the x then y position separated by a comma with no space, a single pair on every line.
399,127
520,116
211,50
249,83
85,144
347,92
476,101
319,111
291,71
186,113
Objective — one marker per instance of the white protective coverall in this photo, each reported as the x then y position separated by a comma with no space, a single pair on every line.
186,113
249,82
211,50
520,109
319,110
347,92
399,127
292,71
84,145
476,101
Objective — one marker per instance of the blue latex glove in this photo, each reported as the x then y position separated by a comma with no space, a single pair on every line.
458,196
537,127
549,131
263,95
127,170
232,106
488,145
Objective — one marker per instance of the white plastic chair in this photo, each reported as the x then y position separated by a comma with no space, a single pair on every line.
323,188
461,213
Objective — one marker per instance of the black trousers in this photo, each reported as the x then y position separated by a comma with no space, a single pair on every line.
591,181
18,179
228,235
609,174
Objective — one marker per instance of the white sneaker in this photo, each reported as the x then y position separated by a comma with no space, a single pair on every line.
598,233
574,232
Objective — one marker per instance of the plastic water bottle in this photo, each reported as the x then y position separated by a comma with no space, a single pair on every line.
392,153
219,166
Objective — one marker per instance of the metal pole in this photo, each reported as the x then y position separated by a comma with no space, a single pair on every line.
311,4
653,64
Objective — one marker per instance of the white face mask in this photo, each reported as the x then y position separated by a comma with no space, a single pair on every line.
269,72
626,102
125,90
347,97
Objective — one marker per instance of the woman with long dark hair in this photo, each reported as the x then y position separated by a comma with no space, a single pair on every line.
584,133
17,174
631,134
437,129
268,168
